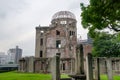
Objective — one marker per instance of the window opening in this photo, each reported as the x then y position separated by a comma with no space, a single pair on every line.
70,33
63,66
57,32
58,43
63,22
41,53
41,41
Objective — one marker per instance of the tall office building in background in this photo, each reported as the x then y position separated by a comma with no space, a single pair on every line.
15,54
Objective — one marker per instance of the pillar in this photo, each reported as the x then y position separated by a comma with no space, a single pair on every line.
97,69
109,69
89,66
56,67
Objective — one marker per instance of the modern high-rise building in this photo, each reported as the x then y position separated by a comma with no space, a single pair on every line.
15,54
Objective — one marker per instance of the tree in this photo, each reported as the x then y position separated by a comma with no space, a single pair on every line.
101,14
106,45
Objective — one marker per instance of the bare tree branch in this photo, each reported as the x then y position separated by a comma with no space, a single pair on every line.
114,28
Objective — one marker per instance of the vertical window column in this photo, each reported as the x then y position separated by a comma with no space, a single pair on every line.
41,41
41,53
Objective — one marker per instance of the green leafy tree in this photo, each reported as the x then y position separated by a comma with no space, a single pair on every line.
101,14
106,45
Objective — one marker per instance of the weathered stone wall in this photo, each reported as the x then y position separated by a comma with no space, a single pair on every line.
87,48
68,37
103,65
49,41
43,65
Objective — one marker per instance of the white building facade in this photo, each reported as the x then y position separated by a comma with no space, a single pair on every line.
3,58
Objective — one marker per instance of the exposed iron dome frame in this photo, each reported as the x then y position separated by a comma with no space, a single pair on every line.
63,14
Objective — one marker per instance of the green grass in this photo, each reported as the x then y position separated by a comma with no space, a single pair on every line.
37,76
26,76
104,77
64,76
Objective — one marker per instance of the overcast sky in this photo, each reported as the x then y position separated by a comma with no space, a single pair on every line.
18,19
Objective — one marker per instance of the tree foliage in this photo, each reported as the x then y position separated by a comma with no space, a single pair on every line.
106,45
101,14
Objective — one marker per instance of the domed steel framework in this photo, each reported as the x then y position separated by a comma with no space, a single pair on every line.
63,14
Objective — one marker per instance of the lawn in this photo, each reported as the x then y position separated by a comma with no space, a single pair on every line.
104,77
25,76
36,76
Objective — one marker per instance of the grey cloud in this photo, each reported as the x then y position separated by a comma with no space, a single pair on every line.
8,7
18,19
76,4
2,15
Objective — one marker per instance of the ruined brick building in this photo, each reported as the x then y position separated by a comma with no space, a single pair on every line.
59,37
